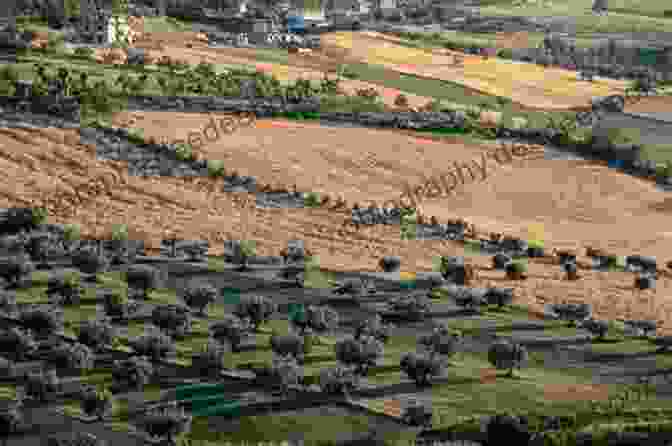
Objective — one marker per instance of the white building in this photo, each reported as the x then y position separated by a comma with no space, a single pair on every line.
111,35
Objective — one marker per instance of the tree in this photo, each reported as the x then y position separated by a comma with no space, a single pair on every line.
361,354
14,268
209,361
506,355
440,342
229,331
401,101
17,342
133,373
96,402
96,334
596,327
43,385
199,295
318,319
16,220
338,380
8,302
256,309
37,247
144,278
373,327
289,371
419,369
65,289
288,345
11,419
166,424
499,296
42,321
154,345
175,320
514,429
90,261
72,356
417,415
413,307
117,304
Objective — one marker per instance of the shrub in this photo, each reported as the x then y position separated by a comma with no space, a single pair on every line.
216,168
243,250
184,152
506,355
401,100
516,270
312,200
37,246
84,53
596,327
166,425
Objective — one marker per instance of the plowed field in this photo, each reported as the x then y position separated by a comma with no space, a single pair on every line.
50,168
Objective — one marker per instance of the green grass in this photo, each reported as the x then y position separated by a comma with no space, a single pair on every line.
279,426
624,15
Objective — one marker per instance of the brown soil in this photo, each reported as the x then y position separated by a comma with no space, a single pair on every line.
648,104
577,392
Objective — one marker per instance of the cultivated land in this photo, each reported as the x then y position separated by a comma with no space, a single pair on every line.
576,203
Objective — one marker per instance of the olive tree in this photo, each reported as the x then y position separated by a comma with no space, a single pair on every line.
229,331
420,369
199,295
96,334
505,355
96,402
133,373
255,309
360,354
174,320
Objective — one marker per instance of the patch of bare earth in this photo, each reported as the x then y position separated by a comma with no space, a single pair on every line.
577,392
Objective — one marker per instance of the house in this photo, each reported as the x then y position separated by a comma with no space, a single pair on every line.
117,29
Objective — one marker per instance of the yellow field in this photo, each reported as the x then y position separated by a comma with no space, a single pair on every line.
528,84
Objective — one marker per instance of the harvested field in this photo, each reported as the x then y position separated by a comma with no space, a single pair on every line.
358,163
529,84
48,167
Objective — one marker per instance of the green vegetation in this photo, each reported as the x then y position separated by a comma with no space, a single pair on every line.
623,16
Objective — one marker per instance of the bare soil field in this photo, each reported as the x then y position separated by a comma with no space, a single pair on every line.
360,164
49,167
